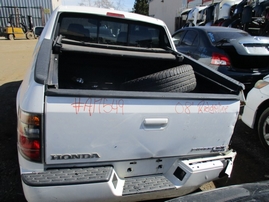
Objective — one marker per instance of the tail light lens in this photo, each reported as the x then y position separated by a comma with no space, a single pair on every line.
220,59
29,135
115,15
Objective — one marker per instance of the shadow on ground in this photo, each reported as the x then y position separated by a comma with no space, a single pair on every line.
252,160
10,187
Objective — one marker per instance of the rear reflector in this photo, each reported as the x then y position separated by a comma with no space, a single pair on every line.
220,59
115,15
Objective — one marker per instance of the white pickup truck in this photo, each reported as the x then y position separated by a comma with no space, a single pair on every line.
109,111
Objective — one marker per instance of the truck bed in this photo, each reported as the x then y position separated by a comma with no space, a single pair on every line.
95,68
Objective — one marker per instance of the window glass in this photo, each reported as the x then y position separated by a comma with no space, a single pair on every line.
73,25
189,38
91,30
196,41
143,36
110,30
178,37
105,31
217,36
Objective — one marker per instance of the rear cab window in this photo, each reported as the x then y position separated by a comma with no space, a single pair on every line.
100,29
186,38
190,39
178,38
215,37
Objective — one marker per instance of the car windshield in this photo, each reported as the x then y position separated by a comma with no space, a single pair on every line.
111,30
215,37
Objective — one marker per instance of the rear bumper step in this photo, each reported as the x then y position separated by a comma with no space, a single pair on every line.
73,176
146,184
182,177
68,176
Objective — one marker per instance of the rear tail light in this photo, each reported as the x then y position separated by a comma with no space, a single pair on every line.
220,59
29,135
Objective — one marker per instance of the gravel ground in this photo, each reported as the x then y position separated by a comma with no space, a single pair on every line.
251,164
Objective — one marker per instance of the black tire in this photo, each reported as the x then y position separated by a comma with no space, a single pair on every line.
263,129
177,79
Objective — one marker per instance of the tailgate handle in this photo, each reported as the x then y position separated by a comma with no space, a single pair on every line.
155,123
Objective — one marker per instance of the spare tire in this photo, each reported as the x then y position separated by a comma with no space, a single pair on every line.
177,79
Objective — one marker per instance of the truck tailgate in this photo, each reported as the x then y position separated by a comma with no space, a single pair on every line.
90,129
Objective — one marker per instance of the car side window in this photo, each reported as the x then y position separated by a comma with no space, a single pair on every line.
190,39
196,41
177,38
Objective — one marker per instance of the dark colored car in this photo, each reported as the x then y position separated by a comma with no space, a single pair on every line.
231,51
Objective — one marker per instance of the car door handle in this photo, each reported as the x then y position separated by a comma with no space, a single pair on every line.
155,123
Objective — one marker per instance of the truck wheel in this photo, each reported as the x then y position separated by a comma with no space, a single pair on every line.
263,129
30,35
11,37
177,79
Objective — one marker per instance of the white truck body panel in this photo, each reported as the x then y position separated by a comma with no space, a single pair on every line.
76,143
129,129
